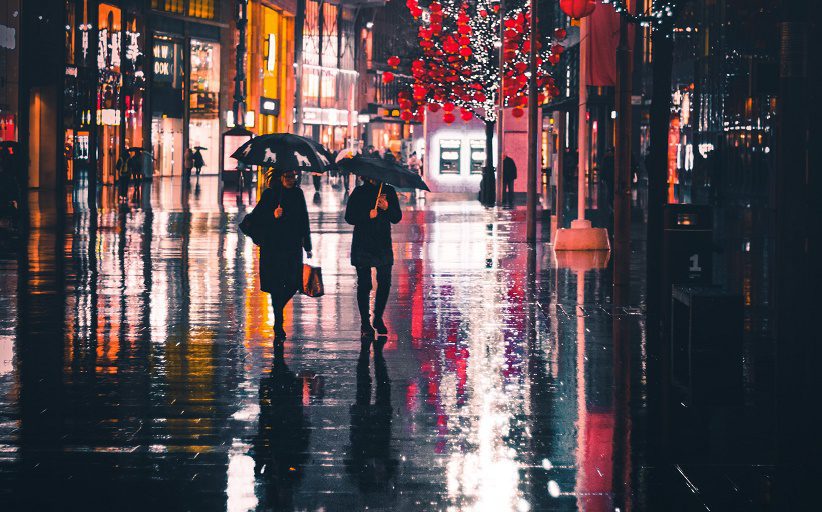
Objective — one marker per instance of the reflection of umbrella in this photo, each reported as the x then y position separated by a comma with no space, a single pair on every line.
200,148
383,171
284,152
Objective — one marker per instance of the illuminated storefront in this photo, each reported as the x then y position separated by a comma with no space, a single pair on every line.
271,51
325,108
185,95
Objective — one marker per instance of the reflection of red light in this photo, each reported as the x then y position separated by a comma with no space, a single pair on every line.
411,396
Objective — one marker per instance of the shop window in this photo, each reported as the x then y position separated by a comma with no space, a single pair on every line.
201,9
173,6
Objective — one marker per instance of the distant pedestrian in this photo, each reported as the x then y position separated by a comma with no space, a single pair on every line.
188,162
414,163
372,208
198,161
509,176
281,218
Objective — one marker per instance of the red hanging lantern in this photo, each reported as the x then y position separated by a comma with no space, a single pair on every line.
449,117
578,8
518,112
560,34
393,61
406,115
466,115
433,107
448,107
387,77
466,52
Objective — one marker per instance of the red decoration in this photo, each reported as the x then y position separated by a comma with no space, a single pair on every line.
560,34
449,117
577,8
393,61
466,52
406,115
518,112
448,107
388,77
466,115
433,107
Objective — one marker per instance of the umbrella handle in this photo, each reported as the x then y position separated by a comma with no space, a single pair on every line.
378,196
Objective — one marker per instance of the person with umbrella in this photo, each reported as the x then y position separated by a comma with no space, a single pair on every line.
279,222
197,159
281,218
372,208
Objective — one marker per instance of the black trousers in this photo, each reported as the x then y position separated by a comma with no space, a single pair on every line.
508,191
364,286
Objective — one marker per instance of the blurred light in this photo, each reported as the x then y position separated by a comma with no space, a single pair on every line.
553,489
249,119
229,118
369,25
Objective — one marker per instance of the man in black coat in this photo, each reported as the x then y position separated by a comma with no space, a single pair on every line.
371,210
509,175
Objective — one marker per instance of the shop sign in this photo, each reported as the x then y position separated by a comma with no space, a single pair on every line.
269,106
102,48
132,46
7,37
167,60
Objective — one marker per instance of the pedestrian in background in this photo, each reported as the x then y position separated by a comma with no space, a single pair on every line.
509,175
188,162
372,208
281,218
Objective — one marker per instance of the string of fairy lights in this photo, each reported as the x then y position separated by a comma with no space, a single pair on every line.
658,13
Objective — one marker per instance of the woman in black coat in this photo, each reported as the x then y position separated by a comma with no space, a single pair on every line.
281,219
372,216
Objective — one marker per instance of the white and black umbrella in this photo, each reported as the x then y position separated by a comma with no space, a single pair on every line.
285,152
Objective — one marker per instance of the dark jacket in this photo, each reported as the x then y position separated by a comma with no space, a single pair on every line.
509,169
283,239
371,246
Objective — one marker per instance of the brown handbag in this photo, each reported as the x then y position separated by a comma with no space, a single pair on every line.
312,281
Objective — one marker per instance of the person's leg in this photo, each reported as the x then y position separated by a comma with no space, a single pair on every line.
277,305
364,297
383,289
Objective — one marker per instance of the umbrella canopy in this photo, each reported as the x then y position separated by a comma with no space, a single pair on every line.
201,148
285,152
382,170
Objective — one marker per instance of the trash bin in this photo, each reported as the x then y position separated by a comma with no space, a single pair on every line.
706,345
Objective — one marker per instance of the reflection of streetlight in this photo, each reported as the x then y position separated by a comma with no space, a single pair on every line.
369,25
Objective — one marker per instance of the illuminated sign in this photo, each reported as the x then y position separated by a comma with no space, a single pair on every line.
269,106
271,59
102,48
132,46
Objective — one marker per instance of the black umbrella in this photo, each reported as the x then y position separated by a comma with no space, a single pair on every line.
383,171
201,148
285,152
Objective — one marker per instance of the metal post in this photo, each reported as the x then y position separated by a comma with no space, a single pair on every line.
500,102
533,112
239,106
622,160
582,144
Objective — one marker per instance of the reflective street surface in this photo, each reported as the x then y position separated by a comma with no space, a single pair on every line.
137,370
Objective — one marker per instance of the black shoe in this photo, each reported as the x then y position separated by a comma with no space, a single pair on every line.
379,325
279,333
366,331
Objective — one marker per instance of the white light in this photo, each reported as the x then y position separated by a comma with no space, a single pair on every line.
268,105
229,119
553,489
523,506
249,119
613,114
497,44
546,464
369,25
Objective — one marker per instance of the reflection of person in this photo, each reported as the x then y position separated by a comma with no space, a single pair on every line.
509,175
281,217
281,445
370,460
371,210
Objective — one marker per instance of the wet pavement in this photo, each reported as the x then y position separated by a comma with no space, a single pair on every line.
137,369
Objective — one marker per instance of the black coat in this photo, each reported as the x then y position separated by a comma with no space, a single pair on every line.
509,169
371,246
283,239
